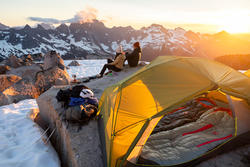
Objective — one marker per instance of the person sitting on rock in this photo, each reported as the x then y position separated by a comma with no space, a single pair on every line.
119,51
134,57
117,64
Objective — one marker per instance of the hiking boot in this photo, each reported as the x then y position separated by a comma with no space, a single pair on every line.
99,76
109,72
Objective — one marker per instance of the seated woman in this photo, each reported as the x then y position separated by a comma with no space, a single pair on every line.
117,64
134,57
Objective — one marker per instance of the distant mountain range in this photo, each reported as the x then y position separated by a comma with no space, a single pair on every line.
3,27
95,40
239,62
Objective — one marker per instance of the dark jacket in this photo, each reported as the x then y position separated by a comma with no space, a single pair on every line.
134,57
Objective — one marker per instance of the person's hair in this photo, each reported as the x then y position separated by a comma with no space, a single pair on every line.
137,44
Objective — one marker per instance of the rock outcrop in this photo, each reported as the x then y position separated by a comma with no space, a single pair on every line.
74,63
21,90
48,78
53,59
4,99
77,145
34,79
26,72
4,69
14,62
8,80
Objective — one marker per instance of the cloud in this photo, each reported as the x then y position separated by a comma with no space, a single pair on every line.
46,20
89,14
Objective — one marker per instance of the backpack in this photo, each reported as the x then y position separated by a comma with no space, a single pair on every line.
74,114
64,95
78,114
76,90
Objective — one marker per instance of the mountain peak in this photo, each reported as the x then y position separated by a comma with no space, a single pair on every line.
222,33
98,23
154,28
27,27
156,25
62,26
180,29
40,27
3,27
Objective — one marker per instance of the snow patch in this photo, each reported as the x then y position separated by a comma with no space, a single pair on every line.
87,68
20,138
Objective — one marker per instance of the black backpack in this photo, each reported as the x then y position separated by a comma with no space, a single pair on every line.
64,95
76,90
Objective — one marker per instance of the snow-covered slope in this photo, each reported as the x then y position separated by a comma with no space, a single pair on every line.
21,141
87,68
3,27
81,40
95,40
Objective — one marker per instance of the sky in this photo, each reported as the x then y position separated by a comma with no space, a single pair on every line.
205,16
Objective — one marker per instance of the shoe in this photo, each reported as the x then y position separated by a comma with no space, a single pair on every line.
109,72
98,76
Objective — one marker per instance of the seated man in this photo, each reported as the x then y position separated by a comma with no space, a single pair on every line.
134,57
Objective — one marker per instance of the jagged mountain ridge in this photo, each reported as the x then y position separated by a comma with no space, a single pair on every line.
3,27
95,40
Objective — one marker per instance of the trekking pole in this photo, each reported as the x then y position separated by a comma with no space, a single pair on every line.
50,136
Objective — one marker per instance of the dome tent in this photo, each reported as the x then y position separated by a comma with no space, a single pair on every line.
247,73
131,108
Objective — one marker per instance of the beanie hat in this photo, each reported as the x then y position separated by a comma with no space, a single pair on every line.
137,44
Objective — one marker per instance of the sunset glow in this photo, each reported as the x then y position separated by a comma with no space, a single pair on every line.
196,15
236,23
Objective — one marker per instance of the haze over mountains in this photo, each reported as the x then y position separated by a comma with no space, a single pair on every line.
95,40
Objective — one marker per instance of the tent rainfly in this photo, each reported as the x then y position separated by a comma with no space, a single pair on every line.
131,108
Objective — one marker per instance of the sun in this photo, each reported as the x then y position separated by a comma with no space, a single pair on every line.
239,24
236,28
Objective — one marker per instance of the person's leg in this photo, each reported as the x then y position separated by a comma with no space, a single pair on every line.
113,68
104,69
109,60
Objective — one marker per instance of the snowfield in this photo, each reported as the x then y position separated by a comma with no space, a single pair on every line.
21,141
87,68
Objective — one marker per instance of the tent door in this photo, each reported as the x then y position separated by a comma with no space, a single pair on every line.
133,156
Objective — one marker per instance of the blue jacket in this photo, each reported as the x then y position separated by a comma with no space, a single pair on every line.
74,101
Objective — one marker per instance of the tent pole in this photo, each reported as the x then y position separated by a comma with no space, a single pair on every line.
135,141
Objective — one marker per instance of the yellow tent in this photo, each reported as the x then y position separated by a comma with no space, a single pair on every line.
131,108
247,73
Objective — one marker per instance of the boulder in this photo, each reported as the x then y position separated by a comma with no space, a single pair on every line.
4,99
21,90
77,145
61,81
48,78
8,80
26,72
33,57
4,69
33,81
74,63
53,59
14,62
